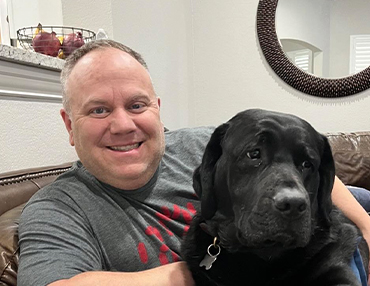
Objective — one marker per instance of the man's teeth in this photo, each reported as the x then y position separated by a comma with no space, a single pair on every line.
125,148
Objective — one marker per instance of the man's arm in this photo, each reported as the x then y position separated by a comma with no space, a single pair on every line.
344,200
174,274
56,246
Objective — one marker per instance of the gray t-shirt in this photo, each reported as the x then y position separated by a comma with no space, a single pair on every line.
80,224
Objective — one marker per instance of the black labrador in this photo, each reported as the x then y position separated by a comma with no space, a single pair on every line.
266,214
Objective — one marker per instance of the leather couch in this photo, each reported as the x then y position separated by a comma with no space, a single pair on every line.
351,154
15,190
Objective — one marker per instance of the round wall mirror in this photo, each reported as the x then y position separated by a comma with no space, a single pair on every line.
319,47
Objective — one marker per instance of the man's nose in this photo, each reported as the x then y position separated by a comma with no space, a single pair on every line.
121,122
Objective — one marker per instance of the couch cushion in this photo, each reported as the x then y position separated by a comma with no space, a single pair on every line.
351,153
9,251
16,188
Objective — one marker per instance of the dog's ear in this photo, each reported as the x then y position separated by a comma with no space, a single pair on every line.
327,175
203,178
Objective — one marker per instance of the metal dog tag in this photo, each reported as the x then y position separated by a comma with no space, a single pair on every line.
209,259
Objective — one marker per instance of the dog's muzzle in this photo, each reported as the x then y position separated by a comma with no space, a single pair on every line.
291,203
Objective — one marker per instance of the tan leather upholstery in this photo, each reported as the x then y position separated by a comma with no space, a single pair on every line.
352,159
351,153
15,190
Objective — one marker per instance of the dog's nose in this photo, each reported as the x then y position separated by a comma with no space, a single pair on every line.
290,202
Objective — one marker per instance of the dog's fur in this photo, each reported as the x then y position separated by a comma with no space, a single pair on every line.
265,188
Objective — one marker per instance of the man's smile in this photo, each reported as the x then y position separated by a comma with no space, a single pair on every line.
125,148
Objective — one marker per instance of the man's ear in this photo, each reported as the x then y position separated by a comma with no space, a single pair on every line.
159,106
68,125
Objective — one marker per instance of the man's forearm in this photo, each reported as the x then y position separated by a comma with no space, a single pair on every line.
343,199
174,274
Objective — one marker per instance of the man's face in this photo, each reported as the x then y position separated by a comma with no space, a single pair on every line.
114,121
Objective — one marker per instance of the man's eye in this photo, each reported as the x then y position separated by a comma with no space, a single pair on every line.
99,111
137,107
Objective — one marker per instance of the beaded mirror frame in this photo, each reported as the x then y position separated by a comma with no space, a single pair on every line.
294,76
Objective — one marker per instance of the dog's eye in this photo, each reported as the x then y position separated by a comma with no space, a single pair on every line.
255,154
307,165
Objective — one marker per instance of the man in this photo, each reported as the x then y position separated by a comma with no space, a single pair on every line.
118,216
119,209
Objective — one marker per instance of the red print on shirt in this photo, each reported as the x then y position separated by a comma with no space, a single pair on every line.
164,217
142,252
153,231
176,212
191,208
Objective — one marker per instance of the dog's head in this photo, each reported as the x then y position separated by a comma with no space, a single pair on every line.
265,181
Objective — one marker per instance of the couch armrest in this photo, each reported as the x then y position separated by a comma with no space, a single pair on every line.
16,188
9,250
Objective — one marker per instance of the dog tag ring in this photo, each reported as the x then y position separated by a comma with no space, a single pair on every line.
209,259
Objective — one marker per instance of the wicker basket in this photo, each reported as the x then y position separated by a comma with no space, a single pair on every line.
25,35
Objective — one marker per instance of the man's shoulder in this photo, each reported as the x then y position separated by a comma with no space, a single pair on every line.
195,133
67,185
186,143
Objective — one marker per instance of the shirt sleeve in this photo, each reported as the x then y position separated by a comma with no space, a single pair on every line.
55,242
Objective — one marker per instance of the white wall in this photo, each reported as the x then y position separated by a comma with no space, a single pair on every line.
206,65
88,14
33,135
27,13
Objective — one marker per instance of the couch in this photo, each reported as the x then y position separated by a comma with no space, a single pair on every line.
351,154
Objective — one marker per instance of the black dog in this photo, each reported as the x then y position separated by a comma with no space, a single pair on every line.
266,212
